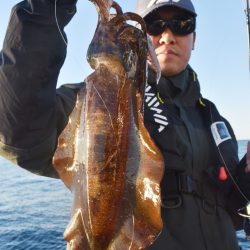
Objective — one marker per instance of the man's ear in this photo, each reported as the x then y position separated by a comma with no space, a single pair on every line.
194,38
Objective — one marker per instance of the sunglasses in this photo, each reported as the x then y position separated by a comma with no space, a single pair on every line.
179,27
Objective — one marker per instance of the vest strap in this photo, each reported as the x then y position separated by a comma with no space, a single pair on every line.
177,183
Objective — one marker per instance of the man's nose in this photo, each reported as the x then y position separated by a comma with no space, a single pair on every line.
167,37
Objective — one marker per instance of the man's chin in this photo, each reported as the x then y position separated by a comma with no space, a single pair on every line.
168,68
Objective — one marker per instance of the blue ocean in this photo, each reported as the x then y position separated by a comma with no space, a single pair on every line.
34,211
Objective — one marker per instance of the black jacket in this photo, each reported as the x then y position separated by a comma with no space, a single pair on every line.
32,111
196,205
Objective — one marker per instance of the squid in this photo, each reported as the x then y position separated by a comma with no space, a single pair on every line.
105,155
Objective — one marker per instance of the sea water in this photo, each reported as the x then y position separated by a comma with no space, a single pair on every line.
34,210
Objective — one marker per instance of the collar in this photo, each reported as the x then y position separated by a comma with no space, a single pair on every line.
179,81
183,87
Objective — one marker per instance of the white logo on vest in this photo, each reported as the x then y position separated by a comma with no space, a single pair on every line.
220,132
153,104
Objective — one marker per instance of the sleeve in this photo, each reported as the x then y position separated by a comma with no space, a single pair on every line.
242,178
30,107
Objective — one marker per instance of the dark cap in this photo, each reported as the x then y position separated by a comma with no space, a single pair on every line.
144,7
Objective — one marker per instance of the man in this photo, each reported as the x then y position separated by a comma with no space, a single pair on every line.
197,192
193,189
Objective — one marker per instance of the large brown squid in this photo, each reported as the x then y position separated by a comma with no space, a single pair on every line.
105,155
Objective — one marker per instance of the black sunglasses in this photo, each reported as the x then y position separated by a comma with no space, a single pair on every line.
179,27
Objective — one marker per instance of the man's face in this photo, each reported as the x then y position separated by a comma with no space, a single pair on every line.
173,51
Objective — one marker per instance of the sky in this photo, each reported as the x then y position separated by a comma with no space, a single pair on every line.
220,58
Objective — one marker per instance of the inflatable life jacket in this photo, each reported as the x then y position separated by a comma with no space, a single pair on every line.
222,175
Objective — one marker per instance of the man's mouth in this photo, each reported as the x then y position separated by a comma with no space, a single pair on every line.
167,52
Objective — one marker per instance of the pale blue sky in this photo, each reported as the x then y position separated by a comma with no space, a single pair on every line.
220,57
